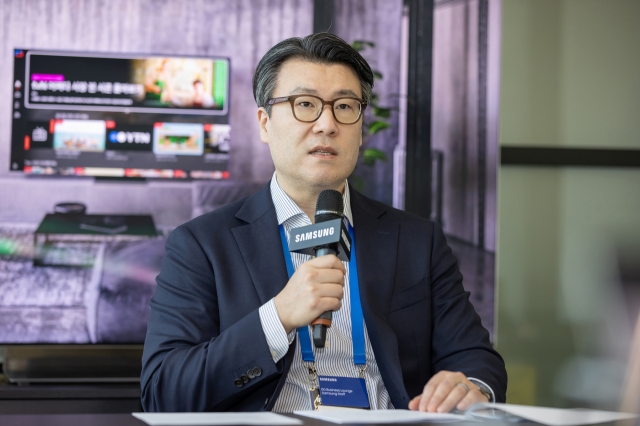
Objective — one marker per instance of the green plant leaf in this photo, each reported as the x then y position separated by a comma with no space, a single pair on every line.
360,45
377,74
382,112
378,126
363,43
371,155
357,45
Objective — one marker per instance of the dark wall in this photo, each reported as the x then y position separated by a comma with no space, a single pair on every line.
377,21
464,118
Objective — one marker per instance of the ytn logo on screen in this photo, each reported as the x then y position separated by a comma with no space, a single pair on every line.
130,137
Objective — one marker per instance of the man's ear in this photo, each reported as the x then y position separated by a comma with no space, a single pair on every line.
263,119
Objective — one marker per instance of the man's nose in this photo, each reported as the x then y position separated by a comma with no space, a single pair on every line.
326,123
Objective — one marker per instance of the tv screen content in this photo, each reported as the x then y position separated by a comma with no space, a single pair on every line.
82,114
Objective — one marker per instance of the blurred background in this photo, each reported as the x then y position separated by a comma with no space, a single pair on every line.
569,235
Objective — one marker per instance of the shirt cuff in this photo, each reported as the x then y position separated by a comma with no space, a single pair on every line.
277,338
483,386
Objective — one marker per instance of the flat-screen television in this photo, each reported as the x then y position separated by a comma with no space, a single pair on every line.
102,115
117,115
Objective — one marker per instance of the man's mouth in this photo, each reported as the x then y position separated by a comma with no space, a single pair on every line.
322,151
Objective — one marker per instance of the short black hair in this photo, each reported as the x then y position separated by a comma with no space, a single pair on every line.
323,48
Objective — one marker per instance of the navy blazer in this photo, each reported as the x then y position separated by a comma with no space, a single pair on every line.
204,329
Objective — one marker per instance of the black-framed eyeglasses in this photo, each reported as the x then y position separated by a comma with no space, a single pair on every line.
308,108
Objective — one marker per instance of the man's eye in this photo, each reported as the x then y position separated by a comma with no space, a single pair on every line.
305,104
343,106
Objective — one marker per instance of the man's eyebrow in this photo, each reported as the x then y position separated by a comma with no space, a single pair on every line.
343,92
302,89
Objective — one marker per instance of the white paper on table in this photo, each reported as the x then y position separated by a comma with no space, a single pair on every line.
557,416
346,415
199,419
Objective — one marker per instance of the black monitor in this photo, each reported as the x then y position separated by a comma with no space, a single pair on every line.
121,116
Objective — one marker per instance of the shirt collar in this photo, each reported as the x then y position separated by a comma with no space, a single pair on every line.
287,209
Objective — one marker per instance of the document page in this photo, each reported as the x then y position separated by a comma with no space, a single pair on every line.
346,415
200,419
549,416
543,415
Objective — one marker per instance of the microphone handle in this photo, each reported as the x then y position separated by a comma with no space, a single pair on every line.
323,251
321,323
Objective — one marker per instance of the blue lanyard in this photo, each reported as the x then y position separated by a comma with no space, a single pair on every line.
357,318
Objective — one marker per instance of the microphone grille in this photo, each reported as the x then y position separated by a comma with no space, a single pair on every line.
329,200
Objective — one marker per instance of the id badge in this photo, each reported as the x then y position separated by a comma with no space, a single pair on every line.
343,391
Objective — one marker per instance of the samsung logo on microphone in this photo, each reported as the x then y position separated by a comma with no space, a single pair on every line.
313,235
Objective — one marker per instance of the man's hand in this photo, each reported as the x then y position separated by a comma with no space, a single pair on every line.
317,286
444,392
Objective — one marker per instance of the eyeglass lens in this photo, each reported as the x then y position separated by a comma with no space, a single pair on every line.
308,108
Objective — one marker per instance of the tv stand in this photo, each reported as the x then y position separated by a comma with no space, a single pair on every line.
73,364
65,239
69,398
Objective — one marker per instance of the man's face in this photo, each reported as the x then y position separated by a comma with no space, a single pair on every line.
318,155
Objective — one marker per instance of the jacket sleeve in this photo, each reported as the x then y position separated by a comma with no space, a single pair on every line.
460,342
188,363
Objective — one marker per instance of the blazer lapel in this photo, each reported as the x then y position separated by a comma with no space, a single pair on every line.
261,249
260,246
376,247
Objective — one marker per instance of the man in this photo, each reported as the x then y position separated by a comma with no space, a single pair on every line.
222,330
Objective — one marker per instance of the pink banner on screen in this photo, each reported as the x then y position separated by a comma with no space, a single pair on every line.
47,77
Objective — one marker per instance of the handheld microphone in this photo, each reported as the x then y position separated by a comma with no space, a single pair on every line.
328,207
329,235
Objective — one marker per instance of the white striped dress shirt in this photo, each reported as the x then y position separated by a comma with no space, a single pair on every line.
337,358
